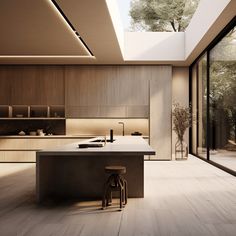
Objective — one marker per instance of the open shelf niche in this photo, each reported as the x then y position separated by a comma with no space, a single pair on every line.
32,112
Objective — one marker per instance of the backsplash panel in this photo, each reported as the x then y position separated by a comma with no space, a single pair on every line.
103,126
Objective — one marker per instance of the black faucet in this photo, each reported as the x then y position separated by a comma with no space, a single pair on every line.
111,136
122,123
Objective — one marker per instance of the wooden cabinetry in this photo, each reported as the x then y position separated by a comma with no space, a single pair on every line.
36,85
4,111
24,149
86,91
160,112
107,91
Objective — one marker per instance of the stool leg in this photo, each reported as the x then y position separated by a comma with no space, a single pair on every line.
121,188
121,193
109,201
126,192
104,199
106,188
108,196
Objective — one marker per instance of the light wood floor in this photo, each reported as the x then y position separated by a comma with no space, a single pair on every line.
181,198
225,158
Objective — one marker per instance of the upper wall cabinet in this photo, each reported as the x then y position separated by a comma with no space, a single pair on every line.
37,85
5,86
107,91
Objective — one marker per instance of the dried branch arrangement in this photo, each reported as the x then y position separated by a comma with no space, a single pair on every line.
182,119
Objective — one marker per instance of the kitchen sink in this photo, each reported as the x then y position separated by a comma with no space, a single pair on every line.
101,141
90,145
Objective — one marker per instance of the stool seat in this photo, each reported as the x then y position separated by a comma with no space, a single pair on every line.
115,170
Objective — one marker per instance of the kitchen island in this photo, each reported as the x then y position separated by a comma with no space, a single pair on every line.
73,172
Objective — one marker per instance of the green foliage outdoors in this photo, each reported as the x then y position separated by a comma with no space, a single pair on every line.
223,81
161,15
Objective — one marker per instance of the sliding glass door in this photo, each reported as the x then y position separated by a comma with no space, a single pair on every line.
223,101
194,109
199,104
213,101
202,104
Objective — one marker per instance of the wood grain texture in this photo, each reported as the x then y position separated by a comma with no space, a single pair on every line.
98,91
107,111
70,176
112,91
17,156
32,85
24,150
181,199
5,87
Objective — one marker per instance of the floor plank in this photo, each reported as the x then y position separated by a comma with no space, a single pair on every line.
181,198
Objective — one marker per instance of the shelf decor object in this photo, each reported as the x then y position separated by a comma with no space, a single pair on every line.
182,119
20,111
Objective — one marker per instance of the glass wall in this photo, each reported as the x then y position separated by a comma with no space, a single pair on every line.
199,104
213,102
202,104
222,96
194,109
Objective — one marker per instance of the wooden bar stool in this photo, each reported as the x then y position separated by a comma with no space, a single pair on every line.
115,182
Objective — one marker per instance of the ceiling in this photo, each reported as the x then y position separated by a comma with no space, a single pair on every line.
33,32
35,28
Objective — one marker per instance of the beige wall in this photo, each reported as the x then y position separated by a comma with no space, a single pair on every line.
160,111
180,94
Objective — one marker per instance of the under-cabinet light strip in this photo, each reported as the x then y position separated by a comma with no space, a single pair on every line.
46,56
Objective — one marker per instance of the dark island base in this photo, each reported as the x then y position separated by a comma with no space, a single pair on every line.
83,177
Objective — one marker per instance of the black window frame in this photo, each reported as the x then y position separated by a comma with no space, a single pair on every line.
206,51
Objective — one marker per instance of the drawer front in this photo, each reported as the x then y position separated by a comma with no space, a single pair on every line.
17,156
14,144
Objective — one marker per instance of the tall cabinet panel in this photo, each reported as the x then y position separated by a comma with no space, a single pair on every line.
160,111
107,91
50,81
5,87
36,85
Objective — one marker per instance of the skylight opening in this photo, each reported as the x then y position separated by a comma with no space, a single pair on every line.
156,15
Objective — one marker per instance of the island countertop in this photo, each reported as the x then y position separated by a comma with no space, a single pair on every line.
126,145
70,171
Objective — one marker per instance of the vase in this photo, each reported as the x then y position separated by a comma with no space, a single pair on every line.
181,150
